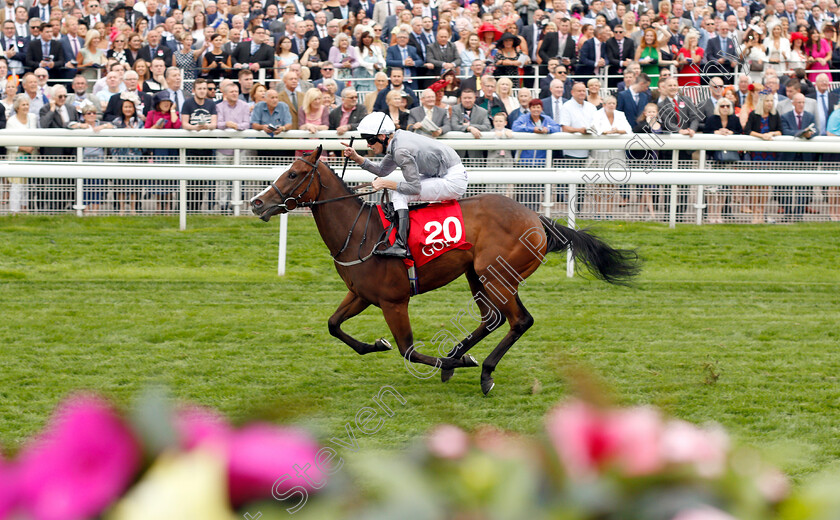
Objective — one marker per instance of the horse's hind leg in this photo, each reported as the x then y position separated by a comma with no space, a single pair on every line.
482,331
520,321
351,306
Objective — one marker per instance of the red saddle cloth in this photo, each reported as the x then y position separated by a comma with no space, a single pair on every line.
434,230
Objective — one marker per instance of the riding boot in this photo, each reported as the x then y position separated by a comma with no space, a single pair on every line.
400,247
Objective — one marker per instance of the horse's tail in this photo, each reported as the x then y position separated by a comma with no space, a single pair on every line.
616,266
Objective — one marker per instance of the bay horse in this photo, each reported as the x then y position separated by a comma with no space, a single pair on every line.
509,242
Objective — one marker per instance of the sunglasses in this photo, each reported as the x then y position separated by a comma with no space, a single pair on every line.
726,106
61,96
371,140
325,69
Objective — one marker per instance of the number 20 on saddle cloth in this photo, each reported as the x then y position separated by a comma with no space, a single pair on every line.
434,229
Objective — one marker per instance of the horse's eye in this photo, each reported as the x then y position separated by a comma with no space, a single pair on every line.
292,175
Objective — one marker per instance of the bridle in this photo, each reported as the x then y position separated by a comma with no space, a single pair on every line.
293,202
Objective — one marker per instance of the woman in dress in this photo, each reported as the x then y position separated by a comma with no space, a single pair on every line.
664,12
21,120
187,59
196,27
283,56
216,63
371,61
472,51
593,92
818,52
753,56
344,57
508,57
798,58
689,58
504,89
647,54
313,57
587,32
763,123
141,67
128,118
118,51
723,122
778,49
91,58
313,116
608,121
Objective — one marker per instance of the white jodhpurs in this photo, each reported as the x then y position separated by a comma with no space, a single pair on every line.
453,185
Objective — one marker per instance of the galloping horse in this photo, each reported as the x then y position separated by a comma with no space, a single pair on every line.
509,244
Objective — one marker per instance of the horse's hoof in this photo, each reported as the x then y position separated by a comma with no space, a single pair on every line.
469,361
382,345
487,385
446,375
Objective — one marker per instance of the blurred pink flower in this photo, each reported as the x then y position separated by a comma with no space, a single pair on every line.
773,485
589,440
195,425
260,454
703,513
448,442
80,465
8,489
705,449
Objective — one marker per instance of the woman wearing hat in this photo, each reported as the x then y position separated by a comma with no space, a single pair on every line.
508,58
798,58
488,34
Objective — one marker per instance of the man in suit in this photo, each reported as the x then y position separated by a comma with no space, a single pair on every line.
95,13
345,118
593,55
524,97
71,45
328,72
45,52
418,39
326,43
559,44
469,117
825,101
383,9
151,12
255,56
428,110
632,100
22,23
80,96
442,55
556,70
396,82
8,12
476,69
678,114
299,37
41,9
174,79
14,48
792,123
342,10
289,95
707,108
553,104
56,114
721,52
235,37
621,52
786,104
156,49
403,55
114,108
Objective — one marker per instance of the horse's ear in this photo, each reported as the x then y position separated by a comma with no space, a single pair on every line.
316,154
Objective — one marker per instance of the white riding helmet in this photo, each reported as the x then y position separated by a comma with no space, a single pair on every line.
376,123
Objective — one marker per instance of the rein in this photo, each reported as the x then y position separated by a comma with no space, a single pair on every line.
290,203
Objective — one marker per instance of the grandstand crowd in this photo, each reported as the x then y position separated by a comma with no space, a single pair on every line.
593,66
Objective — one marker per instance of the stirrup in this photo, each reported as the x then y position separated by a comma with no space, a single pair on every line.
394,251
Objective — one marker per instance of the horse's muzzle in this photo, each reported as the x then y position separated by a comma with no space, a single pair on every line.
266,211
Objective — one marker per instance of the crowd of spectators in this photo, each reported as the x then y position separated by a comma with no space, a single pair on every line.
761,67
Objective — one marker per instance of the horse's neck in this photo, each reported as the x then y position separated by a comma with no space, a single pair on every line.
335,218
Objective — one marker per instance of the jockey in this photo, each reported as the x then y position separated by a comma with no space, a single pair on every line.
432,171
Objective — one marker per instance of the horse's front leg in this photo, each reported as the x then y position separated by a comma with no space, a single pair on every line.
351,306
396,316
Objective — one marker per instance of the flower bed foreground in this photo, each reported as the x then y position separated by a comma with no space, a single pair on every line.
591,463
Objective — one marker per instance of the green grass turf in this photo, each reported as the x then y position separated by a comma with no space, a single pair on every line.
735,324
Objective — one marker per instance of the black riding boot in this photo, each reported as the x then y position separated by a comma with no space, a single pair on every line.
400,247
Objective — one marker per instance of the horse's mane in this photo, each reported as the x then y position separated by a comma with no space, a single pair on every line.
343,184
